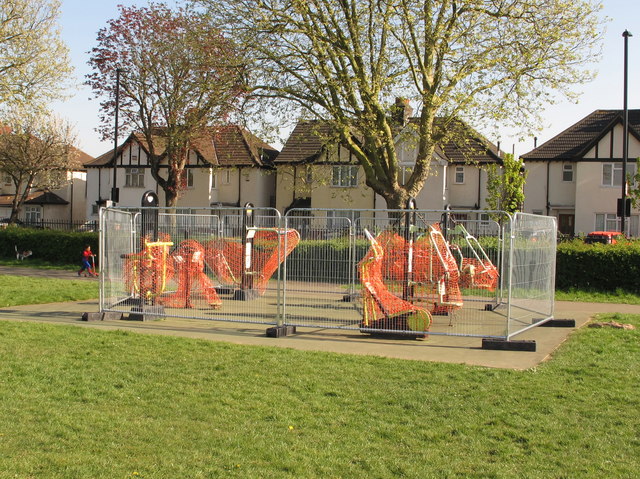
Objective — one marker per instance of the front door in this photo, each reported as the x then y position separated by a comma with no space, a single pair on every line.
566,224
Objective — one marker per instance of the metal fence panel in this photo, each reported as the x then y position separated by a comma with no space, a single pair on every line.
532,259
194,265
418,272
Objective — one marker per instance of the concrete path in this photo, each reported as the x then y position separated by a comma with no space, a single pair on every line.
436,348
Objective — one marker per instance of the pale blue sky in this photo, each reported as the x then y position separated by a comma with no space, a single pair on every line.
81,20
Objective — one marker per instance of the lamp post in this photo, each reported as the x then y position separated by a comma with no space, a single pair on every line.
115,193
625,139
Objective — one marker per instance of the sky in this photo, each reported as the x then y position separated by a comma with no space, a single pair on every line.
81,19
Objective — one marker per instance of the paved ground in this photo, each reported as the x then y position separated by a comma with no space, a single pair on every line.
435,348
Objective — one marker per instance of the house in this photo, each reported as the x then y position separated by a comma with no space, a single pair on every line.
226,166
577,175
48,207
315,171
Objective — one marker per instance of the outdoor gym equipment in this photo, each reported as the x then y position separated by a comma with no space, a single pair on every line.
381,308
146,273
250,265
421,270
476,271
193,283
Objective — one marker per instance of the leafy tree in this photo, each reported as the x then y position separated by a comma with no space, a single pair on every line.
346,61
178,75
505,186
34,61
36,152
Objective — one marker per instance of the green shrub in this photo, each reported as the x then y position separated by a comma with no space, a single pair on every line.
58,247
598,267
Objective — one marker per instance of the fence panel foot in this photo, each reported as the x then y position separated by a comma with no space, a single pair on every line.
509,345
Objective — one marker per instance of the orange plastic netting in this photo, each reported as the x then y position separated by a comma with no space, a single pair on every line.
193,285
430,278
475,273
228,259
381,308
146,273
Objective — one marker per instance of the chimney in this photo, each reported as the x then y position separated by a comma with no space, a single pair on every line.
402,111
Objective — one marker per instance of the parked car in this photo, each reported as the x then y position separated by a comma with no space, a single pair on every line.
604,237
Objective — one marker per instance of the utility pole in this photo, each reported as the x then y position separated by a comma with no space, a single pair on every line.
625,139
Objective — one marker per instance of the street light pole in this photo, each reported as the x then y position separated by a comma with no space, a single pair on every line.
625,139
115,193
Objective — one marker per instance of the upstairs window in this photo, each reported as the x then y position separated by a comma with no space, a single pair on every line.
612,174
567,172
344,176
134,177
459,175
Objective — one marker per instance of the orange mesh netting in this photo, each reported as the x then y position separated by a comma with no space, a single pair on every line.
381,308
193,283
146,273
224,257
434,275
445,272
270,247
478,274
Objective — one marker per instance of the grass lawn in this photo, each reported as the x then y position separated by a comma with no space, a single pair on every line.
17,290
76,402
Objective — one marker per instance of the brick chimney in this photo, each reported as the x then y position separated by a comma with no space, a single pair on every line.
402,111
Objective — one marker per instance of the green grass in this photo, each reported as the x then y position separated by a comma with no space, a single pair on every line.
38,263
618,296
76,402
17,290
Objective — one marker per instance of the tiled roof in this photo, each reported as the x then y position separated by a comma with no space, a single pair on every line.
578,139
308,137
305,142
229,145
37,198
468,146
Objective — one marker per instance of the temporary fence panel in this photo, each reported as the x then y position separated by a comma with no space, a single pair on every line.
531,257
469,273
403,266
194,265
319,272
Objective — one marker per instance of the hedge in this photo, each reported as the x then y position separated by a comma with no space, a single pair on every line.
57,247
598,267
578,265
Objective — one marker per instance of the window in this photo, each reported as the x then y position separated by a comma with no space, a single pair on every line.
7,179
134,177
337,220
607,222
214,180
567,172
459,176
226,176
308,175
134,159
344,176
32,214
405,174
187,178
612,173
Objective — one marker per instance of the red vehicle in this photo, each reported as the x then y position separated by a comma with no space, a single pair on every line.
604,237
